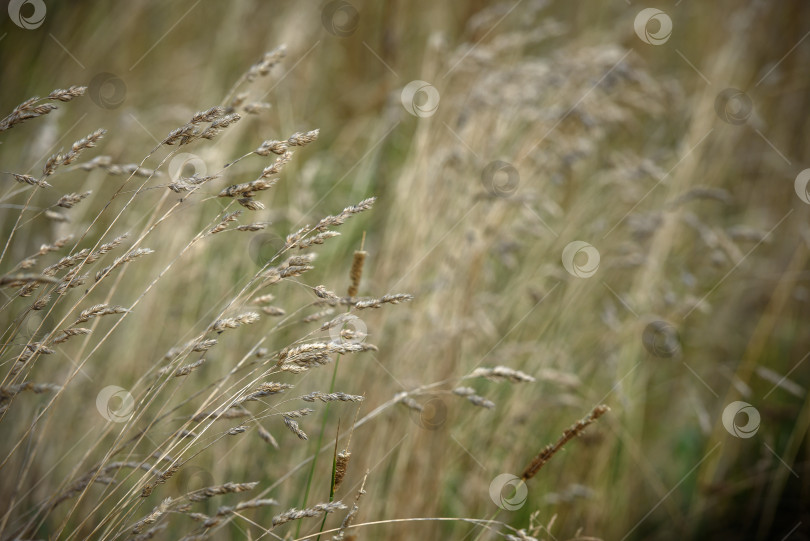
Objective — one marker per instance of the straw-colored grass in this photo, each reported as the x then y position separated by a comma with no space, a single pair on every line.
250,292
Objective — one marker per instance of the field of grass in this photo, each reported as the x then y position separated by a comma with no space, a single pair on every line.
394,270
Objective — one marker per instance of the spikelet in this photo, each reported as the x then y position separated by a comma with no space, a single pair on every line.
56,216
385,299
315,239
274,311
32,107
265,435
99,310
150,533
65,334
232,412
20,280
318,315
41,303
209,115
277,166
262,67
36,388
70,156
266,389
66,262
331,397
295,429
218,490
550,450
69,200
280,147
68,94
470,394
126,258
297,414
218,125
348,212
204,345
28,179
314,511
187,133
324,293
226,219
186,184
105,163
255,108
250,204
411,404
183,370
502,373
301,358
264,299
293,239
341,465
258,226
247,318
106,247
248,189
152,517
356,273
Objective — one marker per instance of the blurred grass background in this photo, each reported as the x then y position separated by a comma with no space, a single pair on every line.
592,119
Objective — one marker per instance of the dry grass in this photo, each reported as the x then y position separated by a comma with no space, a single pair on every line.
198,343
